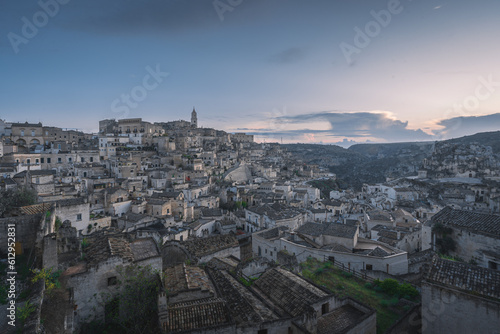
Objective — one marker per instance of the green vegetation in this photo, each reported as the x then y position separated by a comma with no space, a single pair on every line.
58,223
24,312
383,296
51,278
452,258
132,307
248,282
325,186
13,198
444,239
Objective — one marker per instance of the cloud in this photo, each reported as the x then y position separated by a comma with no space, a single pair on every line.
467,125
381,126
287,56
126,16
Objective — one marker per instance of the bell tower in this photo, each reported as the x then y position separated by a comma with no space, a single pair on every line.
194,119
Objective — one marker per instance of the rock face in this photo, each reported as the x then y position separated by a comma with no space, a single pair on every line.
239,174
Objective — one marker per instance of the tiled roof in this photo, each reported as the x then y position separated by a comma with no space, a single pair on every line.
175,279
102,247
272,233
244,307
340,230
41,172
332,229
275,211
182,278
144,248
378,252
205,246
339,320
337,248
481,223
463,276
315,229
200,313
290,292
36,209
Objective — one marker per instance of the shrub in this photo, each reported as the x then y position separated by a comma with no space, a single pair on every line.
346,274
407,290
339,286
368,285
390,286
306,273
391,302
318,271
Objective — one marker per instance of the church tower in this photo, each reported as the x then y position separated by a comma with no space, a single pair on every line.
194,119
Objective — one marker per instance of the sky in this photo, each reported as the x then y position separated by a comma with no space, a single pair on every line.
284,70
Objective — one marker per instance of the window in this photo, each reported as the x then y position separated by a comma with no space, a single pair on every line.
492,265
32,133
112,281
82,159
70,159
48,160
325,308
369,267
22,133
37,161
262,331
91,159
28,161
59,160
79,216
42,160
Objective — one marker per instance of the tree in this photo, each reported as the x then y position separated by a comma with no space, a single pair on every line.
12,198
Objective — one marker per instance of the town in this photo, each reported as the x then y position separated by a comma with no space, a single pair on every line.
171,227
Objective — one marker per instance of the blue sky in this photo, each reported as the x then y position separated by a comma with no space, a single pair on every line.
273,68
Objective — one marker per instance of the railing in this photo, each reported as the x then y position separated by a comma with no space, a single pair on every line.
343,267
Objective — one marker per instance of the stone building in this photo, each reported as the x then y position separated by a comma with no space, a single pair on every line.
278,302
460,298
88,281
340,244
26,134
200,250
476,235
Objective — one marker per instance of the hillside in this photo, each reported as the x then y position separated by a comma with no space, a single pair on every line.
373,163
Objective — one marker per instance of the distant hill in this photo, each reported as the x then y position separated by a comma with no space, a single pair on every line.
387,150
484,138
373,163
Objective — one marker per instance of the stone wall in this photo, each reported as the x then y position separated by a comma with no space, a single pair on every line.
49,257
26,231
396,264
447,310
71,213
410,323
88,287
471,246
